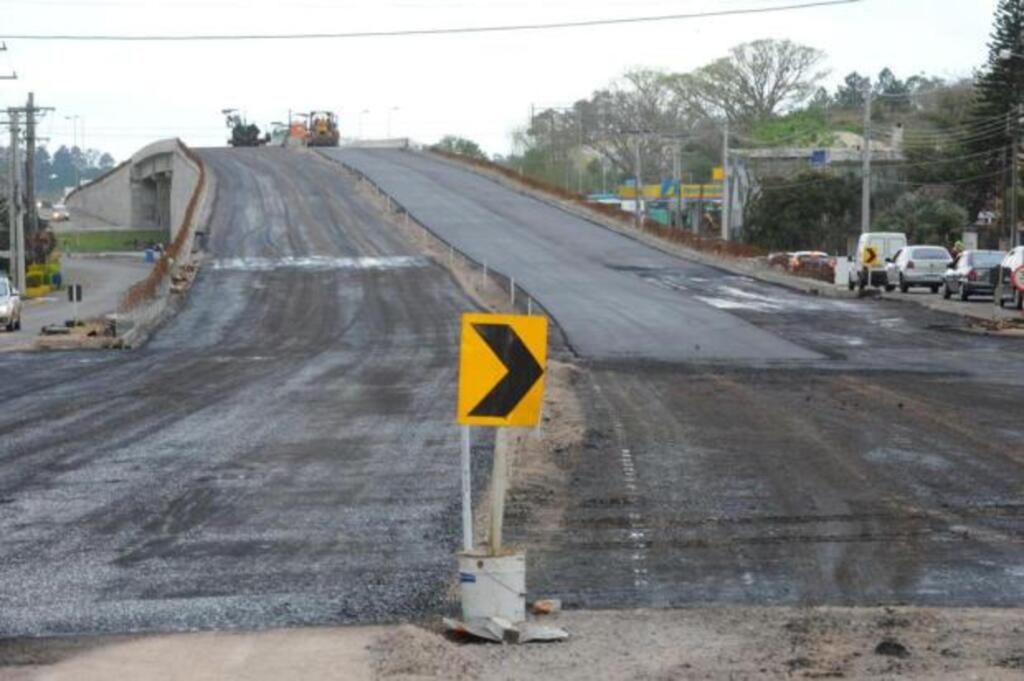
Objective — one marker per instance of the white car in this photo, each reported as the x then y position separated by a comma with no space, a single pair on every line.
919,266
10,306
1006,292
873,251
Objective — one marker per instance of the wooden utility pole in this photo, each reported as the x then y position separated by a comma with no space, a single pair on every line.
16,228
865,186
726,194
31,211
638,212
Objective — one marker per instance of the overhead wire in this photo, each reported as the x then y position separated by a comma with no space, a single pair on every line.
540,26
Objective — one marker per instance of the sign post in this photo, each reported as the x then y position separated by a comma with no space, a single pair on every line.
501,383
869,256
75,297
502,360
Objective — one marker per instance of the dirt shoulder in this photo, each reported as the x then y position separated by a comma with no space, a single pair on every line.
699,643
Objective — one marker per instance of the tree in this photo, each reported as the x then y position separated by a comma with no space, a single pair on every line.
756,81
999,90
925,218
850,94
812,210
454,144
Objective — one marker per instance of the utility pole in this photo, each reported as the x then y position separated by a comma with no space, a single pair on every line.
677,173
30,164
1015,175
637,212
726,194
16,227
14,74
865,187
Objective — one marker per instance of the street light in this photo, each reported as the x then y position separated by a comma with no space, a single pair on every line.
361,113
392,109
1007,54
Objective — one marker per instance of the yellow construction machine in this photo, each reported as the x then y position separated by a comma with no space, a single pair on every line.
323,129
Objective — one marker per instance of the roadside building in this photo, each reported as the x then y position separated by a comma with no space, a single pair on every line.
842,157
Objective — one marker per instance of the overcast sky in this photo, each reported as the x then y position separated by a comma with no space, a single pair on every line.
478,86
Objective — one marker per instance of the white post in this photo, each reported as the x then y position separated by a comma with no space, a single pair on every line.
726,189
467,497
512,292
499,483
865,186
529,305
483,275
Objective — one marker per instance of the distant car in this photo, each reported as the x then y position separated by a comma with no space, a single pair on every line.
1005,291
918,266
10,306
971,274
813,263
59,213
868,261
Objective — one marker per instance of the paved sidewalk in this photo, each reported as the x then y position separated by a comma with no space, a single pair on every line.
104,280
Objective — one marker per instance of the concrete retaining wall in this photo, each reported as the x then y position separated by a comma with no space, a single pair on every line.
108,197
151,190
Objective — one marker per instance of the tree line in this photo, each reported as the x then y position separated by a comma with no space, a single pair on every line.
956,137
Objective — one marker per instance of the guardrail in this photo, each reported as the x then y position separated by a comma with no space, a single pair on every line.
519,298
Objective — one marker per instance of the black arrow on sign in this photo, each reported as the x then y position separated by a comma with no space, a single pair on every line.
523,370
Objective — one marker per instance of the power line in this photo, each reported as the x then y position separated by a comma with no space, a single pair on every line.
429,31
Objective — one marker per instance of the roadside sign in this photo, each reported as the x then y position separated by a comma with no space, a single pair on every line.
869,256
74,293
1018,278
502,360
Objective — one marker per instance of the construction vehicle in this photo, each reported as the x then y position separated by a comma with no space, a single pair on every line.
243,134
323,129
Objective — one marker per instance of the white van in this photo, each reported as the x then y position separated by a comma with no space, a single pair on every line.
867,262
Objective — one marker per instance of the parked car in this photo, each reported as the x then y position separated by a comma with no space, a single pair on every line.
918,266
814,264
10,306
1005,291
971,274
874,249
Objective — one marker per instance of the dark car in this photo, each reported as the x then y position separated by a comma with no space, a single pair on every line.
971,274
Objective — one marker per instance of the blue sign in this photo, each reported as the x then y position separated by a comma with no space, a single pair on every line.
819,158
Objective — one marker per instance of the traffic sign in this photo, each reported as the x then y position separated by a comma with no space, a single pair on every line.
74,293
869,256
501,369
1018,278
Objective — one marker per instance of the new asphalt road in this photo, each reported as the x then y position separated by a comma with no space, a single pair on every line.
283,452
743,443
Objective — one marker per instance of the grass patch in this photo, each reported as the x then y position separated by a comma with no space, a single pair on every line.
119,240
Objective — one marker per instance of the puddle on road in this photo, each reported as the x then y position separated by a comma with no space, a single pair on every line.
316,263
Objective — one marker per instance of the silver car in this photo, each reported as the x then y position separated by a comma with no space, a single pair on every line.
919,266
971,274
10,306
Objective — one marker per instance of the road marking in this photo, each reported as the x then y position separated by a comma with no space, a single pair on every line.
317,263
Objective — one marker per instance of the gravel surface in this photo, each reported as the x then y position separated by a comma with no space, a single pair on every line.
728,643
282,453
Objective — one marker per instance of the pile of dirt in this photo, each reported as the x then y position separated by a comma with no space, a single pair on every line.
409,653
